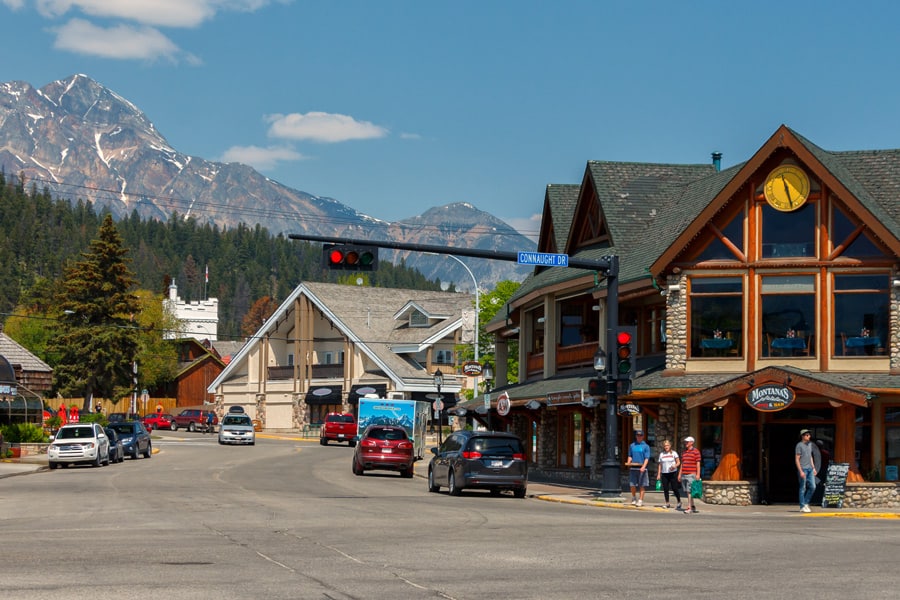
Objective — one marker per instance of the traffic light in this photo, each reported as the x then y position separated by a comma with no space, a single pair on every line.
596,387
350,257
625,337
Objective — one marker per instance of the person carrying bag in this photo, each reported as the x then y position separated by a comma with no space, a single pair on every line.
667,473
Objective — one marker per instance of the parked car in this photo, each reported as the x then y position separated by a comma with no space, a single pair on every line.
193,420
479,459
159,421
236,428
79,443
121,416
135,439
384,447
338,427
116,450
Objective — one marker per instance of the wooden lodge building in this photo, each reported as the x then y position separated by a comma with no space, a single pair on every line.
766,298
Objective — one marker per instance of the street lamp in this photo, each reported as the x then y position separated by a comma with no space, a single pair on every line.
488,376
477,307
438,382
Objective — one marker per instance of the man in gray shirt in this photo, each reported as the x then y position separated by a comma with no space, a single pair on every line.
806,469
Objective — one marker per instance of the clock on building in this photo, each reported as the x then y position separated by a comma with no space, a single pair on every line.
787,188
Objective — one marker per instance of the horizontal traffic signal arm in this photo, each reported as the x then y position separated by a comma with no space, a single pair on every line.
607,265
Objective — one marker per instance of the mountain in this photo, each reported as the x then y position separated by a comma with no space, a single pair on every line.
81,140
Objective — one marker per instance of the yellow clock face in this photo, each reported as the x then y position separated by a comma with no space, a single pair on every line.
787,188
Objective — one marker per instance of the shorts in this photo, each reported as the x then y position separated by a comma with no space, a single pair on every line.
636,478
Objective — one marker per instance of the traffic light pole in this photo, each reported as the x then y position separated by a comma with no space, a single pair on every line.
611,483
607,265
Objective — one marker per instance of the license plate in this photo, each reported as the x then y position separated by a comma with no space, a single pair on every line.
496,463
340,435
386,450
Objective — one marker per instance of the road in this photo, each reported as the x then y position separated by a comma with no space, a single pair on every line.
288,519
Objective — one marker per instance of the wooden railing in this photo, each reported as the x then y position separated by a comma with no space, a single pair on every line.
567,357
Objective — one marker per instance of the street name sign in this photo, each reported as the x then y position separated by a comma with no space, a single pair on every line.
543,259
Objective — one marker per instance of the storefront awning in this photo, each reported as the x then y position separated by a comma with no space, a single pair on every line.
324,395
360,390
798,380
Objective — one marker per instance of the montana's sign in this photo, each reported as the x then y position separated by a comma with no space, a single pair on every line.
770,397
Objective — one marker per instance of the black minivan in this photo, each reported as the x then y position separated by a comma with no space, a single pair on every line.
490,460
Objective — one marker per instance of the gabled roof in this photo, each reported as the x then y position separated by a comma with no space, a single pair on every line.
17,354
559,210
868,182
366,316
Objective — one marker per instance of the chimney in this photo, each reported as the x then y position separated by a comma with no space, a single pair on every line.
173,291
717,161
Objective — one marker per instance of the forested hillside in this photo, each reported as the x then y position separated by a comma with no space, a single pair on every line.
39,234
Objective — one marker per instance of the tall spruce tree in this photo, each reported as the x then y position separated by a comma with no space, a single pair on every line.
99,340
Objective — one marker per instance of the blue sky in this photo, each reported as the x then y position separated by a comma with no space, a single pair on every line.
395,106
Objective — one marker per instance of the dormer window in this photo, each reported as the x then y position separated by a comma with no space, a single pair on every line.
418,319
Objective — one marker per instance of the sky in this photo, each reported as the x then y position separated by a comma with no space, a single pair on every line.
396,106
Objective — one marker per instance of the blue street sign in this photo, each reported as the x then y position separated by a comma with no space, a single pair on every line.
543,259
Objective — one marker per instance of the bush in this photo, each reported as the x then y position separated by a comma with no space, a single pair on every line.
23,433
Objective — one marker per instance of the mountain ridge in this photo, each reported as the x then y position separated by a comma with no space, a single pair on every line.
82,140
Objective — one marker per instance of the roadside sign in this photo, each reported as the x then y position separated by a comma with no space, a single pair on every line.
503,404
438,404
487,402
543,259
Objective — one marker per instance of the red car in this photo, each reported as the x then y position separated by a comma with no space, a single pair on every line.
384,447
338,427
158,421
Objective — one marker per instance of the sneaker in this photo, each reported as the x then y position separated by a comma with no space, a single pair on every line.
805,508
640,502
634,501
694,510
668,506
678,507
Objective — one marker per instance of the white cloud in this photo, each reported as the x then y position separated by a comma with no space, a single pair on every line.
529,227
14,4
167,13
122,41
262,159
410,136
322,127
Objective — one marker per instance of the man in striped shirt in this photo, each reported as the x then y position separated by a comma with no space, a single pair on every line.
690,471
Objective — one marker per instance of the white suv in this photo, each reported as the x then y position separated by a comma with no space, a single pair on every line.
79,443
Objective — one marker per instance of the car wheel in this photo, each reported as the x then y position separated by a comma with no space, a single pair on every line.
519,492
107,461
191,427
357,470
173,426
148,453
432,486
495,491
53,465
97,461
135,454
451,485
407,473
323,441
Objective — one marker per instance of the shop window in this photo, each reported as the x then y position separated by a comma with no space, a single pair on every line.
788,315
717,250
717,316
863,444
710,441
842,234
789,234
861,314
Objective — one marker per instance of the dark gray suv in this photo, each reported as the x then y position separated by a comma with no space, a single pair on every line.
490,460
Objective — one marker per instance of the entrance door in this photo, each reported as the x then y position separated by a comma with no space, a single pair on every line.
779,470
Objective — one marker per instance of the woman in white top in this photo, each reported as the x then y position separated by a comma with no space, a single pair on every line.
668,471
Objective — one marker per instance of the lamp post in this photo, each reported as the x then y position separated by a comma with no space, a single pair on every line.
438,382
488,375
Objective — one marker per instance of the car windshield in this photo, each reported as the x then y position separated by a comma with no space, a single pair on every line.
496,446
236,420
71,433
339,419
386,434
122,427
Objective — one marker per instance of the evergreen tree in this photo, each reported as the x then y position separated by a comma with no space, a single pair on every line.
99,339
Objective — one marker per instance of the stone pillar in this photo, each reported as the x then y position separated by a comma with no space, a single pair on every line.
261,409
547,440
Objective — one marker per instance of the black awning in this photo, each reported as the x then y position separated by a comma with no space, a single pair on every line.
360,390
324,394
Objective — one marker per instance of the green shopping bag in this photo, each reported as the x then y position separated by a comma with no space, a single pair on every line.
658,485
697,488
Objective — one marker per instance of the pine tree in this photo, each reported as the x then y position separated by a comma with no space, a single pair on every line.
99,341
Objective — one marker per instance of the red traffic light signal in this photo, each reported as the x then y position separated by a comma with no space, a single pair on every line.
625,337
350,257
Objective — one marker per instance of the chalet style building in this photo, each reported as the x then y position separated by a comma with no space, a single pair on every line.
766,298
327,345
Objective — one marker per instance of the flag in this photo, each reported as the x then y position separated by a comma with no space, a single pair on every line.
207,273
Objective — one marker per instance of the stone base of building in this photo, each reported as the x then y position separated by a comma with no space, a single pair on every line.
856,495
